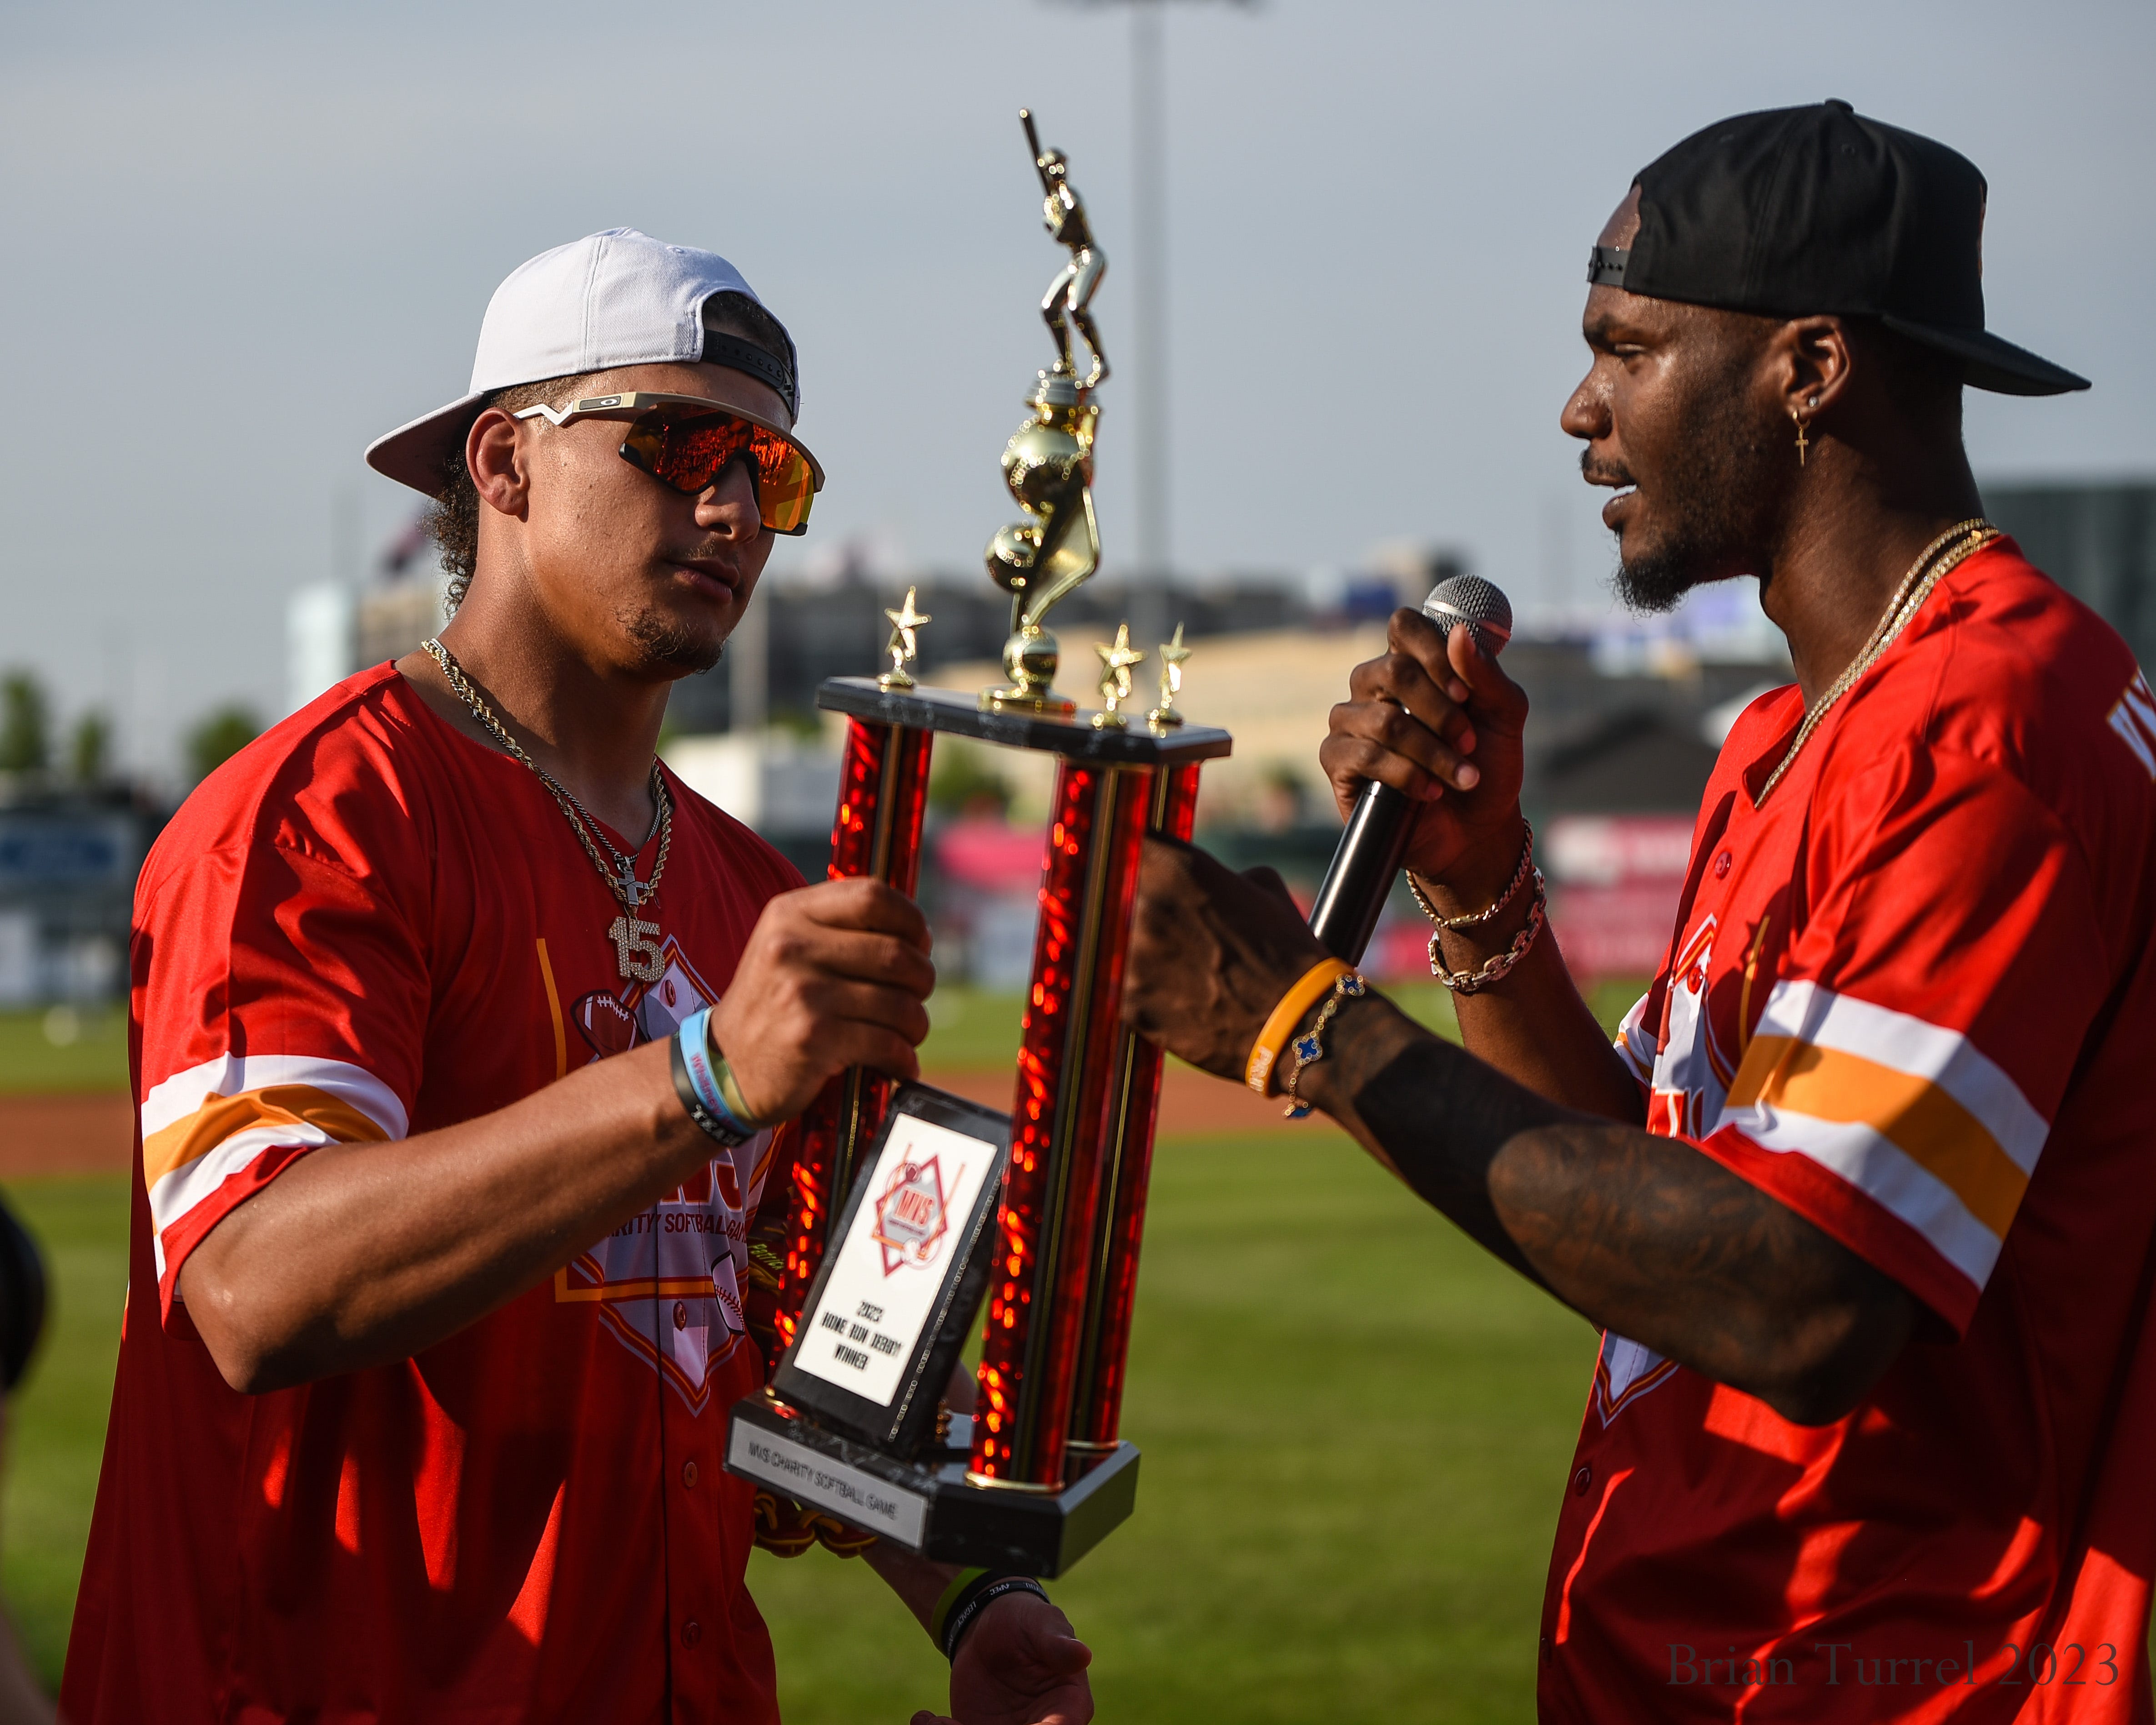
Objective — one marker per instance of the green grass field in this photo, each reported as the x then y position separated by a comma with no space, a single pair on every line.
56,1422
90,1055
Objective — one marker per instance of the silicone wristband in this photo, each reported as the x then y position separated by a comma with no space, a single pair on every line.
942,1614
975,1598
708,1122
1258,1072
705,1076
730,1089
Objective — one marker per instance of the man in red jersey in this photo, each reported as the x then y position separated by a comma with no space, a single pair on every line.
460,1027
1864,1201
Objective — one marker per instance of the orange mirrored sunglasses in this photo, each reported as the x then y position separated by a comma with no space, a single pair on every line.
687,441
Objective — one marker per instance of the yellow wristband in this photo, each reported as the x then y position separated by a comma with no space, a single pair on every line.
1298,1000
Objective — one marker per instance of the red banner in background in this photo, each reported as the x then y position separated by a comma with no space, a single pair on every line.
990,856
1614,884
1616,849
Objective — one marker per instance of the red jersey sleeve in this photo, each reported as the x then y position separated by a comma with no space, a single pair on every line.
283,997
1898,1085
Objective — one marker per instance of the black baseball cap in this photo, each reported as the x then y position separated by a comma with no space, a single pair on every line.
1798,211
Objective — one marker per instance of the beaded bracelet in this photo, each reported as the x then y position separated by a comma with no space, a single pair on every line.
1309,1048
705,1083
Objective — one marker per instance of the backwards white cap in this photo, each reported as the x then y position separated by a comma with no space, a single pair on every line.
616,298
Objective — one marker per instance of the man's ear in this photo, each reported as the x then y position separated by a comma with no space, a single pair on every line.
1812,364
494,453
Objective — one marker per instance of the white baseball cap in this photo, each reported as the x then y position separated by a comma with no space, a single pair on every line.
616,298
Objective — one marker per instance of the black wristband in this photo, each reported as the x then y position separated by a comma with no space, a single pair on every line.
713,1127
975,1598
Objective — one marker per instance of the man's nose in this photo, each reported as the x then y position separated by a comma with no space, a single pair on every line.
1586,414
728,504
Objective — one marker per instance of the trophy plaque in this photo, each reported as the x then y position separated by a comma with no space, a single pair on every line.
909,1209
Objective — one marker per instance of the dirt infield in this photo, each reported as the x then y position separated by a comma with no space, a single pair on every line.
93,1133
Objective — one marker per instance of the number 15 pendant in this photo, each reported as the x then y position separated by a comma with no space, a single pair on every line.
635,950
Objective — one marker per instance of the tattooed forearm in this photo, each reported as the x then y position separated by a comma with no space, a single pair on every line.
1645,1236
1655,1239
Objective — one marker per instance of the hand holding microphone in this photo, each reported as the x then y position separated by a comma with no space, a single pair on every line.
1424,759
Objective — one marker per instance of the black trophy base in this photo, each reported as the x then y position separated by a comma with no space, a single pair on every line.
928,1506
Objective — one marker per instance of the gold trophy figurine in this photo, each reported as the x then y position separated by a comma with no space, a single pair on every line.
1069,297
1164,716
1048,464
905,643
1116,663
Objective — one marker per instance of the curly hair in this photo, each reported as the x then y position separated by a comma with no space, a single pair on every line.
453,521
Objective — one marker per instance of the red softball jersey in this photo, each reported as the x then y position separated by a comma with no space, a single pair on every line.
367,925
1912,997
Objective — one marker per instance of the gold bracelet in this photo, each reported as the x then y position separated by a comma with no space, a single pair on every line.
1309,1048
1258,1069
1499,964
1504,898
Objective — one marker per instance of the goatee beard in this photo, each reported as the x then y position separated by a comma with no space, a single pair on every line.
1716,494
668,644
1658,581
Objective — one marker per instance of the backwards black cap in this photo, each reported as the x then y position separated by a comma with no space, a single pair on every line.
1799,211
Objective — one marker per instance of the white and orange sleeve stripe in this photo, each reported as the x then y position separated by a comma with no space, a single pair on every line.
1911,1115
203,1126
1635,1047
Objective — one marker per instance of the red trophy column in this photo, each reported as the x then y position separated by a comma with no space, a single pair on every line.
1044,1228
883,793
1127,1171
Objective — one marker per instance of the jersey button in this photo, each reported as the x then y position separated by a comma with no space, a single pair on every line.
680,1316
689,1475
1581,1481
1722,866
691,1633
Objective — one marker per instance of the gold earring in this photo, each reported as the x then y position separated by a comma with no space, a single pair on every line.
1801,443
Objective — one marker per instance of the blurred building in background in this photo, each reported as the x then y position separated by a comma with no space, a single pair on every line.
68,857
336,626
2098,541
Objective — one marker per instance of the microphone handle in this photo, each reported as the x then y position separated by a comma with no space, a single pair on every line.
1370,854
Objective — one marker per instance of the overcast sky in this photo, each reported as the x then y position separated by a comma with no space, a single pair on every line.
246,239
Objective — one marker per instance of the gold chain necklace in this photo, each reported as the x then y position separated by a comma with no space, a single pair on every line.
635,941
1938,560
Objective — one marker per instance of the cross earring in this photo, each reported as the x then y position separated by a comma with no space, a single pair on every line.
1803,443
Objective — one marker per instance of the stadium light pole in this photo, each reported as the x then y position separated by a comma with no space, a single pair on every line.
1149,598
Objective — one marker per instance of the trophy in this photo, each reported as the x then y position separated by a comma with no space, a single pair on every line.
910,1209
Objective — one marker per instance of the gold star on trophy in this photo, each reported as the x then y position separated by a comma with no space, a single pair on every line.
1116,663
904,644
1172,656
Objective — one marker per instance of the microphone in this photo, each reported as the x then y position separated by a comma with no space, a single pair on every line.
1375,843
